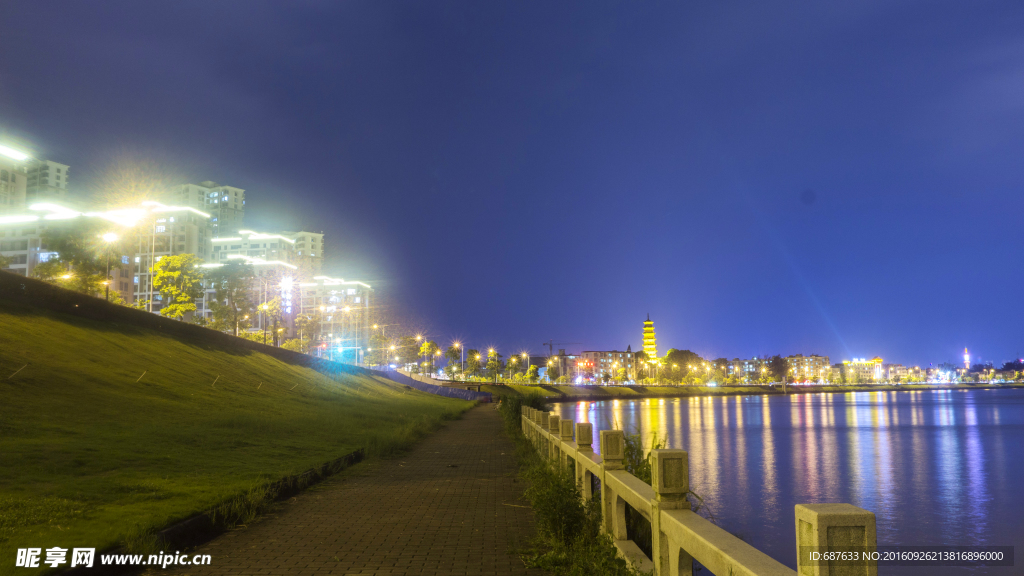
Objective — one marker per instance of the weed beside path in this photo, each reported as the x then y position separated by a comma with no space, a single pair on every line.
569,542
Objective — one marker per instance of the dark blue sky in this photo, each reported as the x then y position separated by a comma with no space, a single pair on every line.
515,172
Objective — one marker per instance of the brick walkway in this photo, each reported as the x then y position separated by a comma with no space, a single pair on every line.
451,506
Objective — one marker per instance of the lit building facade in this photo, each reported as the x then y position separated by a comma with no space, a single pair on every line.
47,181
13,182
597,363
308,250
811,367
860,370
224,204
168,231
251,244
566,364
343,308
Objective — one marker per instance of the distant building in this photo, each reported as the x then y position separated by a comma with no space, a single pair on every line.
901,373
566,364
250,244
343,308
649,341
745,368
597,363
811,367
309,250
47,181
173,230
859,370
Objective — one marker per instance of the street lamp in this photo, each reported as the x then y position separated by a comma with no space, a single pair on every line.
109,238
462,356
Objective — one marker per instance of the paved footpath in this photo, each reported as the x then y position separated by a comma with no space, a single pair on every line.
450,506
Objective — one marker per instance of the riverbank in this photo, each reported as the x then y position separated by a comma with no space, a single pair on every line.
558,393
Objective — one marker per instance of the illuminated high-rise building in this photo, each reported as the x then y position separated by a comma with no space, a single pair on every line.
12,184
650,342
47,181
967,359
224,204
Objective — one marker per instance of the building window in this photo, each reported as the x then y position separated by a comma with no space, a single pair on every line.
124,259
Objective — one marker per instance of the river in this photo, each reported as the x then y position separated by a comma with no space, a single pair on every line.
936,467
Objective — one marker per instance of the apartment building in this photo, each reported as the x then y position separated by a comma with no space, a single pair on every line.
13,182
811,367
46,181
596,363
224,204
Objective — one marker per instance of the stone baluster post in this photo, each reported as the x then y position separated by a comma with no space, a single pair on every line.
543,444
538,419
613,508
565,434
584,439
670,478
553,430
835,528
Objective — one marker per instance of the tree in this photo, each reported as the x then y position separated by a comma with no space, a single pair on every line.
271,311
297,345
532,374
233,285
406,349
178,279
59,272
494,364
552,372
453,356
255,337
378,350
682,358
778,368
78,264
307,325
472,362
429,350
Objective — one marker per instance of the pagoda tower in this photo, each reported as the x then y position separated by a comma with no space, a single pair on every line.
650,342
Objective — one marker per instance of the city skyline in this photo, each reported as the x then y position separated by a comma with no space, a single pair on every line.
675,166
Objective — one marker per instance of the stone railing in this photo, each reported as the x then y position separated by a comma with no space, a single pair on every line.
680,535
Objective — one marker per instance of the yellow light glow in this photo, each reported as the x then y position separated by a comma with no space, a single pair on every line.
110,237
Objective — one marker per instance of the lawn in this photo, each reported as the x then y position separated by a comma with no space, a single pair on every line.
90,452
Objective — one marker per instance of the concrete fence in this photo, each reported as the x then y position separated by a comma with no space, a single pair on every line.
425,384
679,535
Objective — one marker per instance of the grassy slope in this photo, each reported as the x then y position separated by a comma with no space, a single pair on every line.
86,452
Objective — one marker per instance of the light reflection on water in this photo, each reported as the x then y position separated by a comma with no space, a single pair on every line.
936,467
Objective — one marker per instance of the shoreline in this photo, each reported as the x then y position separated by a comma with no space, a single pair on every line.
561,394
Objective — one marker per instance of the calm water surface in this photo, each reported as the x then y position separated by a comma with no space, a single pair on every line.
936,467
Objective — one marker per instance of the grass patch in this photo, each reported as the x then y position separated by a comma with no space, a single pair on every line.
92,455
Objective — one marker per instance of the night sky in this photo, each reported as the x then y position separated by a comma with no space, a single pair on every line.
801,177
